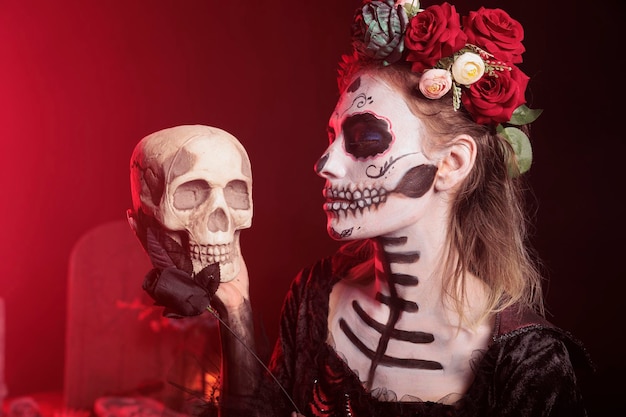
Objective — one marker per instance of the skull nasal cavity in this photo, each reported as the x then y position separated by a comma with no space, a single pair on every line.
218,221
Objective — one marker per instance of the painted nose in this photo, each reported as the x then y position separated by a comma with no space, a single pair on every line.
330,165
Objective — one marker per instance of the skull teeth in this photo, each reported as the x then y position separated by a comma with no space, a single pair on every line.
210,254
346,201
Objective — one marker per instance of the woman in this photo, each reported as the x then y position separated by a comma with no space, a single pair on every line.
433,307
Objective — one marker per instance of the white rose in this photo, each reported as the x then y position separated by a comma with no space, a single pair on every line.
468,68
411,6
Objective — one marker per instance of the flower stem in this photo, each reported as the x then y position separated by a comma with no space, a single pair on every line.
217,316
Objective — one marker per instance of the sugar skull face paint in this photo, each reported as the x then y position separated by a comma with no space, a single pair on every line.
374,165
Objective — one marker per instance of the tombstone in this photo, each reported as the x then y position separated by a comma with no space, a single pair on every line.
118,343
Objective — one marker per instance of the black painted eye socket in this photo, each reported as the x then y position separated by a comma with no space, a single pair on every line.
366,135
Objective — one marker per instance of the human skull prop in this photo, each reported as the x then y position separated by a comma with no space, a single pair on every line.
196,181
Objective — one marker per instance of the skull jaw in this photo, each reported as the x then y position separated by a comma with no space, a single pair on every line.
228,256
228,269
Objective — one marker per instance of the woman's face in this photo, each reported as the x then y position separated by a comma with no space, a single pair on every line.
377,175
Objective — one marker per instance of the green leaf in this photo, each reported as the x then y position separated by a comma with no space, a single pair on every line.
524,115
521,146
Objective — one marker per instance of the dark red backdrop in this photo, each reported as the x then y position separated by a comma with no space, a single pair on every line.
82,81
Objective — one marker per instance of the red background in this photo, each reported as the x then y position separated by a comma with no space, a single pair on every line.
82,81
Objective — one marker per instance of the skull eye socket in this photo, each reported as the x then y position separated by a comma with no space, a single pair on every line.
366,135
236,195
191,194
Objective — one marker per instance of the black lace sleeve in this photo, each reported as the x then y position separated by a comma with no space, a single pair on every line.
301,338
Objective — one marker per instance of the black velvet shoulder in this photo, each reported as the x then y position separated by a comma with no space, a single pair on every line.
514,321
531,368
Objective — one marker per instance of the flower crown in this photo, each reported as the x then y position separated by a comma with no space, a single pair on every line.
476,60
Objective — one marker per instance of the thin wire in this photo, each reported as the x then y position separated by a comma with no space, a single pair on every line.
210,309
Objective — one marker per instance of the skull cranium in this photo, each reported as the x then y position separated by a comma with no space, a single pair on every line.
196,182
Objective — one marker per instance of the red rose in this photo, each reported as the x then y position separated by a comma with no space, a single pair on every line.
492,100
433,34
496,32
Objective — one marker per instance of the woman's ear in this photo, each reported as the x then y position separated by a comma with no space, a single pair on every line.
455,163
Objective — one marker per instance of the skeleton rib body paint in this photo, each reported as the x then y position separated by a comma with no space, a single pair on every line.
376,175
396,306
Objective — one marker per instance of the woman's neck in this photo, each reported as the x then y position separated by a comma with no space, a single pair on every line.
399,329
411,268
410,263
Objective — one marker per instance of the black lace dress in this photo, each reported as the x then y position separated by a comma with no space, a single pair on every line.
528,369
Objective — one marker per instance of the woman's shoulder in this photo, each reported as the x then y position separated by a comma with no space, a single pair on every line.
517,319
532,365
521,329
